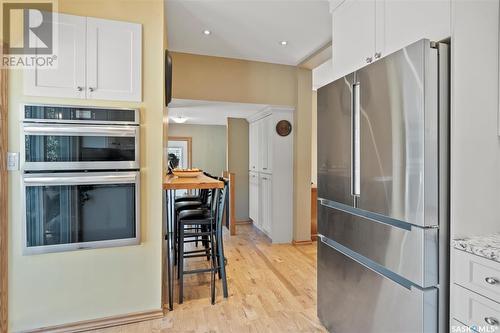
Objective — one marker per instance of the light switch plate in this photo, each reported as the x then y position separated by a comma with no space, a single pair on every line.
12,161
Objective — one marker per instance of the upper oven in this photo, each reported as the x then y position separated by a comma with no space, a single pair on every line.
79,138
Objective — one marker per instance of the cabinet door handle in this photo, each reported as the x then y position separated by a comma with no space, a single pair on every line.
491,321
378,55
491,280
369,60
91,89
79,88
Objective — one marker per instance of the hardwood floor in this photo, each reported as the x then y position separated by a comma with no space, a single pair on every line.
272,288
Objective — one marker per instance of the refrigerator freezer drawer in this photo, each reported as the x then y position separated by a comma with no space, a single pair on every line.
353,298
409,251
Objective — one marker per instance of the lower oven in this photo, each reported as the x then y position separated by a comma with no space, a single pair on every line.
66,211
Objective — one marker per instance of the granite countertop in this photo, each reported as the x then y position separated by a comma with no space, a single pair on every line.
487,246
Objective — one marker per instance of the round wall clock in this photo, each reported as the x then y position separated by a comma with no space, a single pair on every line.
283,127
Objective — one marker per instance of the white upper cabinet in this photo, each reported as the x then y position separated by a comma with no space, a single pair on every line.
96,59
353,40
113,60
68,79
407,21
366,30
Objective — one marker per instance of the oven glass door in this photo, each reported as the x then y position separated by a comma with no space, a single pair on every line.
68,211
82,147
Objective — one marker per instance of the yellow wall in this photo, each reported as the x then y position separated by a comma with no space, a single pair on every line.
314,139
222,79
237,162
58,288
302,156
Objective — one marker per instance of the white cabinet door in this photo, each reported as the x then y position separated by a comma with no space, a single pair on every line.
266,201
270,130
114,61
253,142
353,36
258,145
68,78
254,198
265,144
407,21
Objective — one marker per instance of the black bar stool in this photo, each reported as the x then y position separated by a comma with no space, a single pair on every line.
211,222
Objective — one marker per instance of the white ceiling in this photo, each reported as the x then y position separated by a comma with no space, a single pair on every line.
249,29
210,113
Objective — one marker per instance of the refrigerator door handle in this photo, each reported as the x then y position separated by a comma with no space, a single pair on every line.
372,265
355,142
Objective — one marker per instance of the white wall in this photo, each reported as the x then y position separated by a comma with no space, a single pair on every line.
475,146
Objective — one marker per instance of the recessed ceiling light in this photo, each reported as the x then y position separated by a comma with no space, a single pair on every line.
284,43
206,32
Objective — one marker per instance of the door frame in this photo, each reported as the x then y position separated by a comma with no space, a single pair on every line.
189,141
4,255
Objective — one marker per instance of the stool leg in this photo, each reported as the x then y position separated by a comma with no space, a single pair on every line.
180,247
222,262
180,267
214,265
206,242
174,218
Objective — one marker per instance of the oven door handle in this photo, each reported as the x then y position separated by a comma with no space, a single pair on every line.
91,178
72,130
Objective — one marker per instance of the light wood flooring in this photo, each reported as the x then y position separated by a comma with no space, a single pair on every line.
272,288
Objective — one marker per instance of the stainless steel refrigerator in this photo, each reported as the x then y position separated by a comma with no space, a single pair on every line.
383,195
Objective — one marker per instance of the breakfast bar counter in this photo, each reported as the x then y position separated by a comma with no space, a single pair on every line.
171,183
201,182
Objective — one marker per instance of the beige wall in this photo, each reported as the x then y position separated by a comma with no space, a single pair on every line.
314,138
222,79
58,288
237,162
302,156
209,145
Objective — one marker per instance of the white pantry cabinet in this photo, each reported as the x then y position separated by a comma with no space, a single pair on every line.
253,159
271,174
366,30
265,144
266,193
254,197
96,59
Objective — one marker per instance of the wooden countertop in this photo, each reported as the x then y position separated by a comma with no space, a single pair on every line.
171,182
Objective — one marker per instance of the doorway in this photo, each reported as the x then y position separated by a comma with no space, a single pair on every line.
181,148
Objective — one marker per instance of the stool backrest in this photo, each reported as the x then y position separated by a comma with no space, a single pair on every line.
222,199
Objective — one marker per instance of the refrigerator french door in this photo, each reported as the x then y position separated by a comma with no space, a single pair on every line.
382,188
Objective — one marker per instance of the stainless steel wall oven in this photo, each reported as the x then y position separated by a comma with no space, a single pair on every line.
81,181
